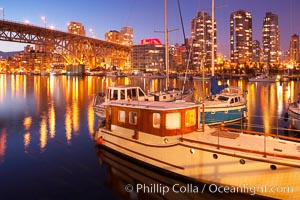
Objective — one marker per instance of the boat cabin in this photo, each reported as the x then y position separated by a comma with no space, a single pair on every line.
231,99
229,96
126,92
157,118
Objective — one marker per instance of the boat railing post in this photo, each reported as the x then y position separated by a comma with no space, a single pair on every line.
203,120
221,129
265,145
109,118
242,118
277,133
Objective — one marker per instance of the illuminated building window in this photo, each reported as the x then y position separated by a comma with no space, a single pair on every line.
190,118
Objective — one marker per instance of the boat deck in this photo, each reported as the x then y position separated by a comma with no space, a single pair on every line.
259,146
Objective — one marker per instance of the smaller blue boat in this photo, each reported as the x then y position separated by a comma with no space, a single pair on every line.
227,104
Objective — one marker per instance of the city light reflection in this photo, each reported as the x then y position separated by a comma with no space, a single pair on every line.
3,140
52,121
75,106
68,124
3,87
43,133
91,119
27,122
27,139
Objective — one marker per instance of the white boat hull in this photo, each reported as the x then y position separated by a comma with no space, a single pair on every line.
194,157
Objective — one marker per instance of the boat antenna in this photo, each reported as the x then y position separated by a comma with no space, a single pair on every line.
183,31
166,44
213,38
188,48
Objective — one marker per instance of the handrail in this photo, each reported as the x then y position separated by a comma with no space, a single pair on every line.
265,134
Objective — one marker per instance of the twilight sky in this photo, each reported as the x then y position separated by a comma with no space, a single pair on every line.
147,17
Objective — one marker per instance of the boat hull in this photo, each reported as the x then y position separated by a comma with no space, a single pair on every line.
219,168
218,115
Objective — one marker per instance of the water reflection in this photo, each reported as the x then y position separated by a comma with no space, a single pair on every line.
43,133
3,139
43,115
52,120
44,100
267,104
27,139
133,180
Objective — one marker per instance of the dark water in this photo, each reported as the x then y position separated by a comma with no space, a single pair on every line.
47,150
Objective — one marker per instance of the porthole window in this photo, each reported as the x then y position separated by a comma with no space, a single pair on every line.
242,161
273,167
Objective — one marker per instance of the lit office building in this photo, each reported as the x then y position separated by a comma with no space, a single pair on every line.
256,51
294,49
114,36
240,37
127,33
202,40
271,39
149,55
76,28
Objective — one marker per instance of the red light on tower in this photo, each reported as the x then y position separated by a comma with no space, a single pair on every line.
155,41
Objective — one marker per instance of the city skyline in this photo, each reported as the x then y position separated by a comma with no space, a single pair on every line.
147,17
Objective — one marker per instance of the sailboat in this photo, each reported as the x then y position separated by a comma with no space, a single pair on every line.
171,94
130,92
225,104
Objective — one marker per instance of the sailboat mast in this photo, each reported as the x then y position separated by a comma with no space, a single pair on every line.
213,38
166,44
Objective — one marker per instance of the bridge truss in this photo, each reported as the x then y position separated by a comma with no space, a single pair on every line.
75,49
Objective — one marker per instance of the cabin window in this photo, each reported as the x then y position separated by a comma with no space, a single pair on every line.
190,118
222,98
121,116
133,93
156,120
108,94
232,101
115,95
133,118
122,94
173,121
129,95
141,93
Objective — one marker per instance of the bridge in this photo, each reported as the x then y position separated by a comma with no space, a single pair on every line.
75,49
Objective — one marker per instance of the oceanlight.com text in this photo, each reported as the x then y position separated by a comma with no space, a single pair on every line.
211,188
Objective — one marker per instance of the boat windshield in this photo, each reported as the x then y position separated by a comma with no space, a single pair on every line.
222,98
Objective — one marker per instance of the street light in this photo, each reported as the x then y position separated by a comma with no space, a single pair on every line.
44,20
2,9
92,32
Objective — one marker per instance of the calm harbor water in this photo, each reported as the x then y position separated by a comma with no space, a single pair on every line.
46,129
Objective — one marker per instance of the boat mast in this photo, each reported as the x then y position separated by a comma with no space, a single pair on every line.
166,45
213,38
